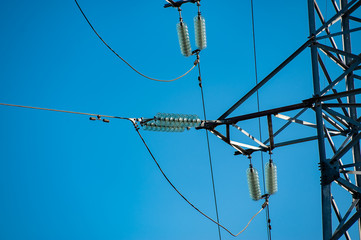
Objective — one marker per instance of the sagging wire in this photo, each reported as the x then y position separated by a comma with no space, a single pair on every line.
135,121
134,69
264,205
208,144
259,119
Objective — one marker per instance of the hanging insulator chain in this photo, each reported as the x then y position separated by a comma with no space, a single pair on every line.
271,177
200,30
253,183
169,122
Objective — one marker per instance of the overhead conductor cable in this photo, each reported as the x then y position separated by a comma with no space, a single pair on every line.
134,122
143,75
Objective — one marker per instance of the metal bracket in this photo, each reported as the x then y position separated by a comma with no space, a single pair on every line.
329,172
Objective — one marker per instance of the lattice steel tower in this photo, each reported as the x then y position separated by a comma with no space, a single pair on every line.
335,109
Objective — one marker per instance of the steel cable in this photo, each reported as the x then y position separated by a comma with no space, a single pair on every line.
259,119
133,120
143,75
209,147
185,199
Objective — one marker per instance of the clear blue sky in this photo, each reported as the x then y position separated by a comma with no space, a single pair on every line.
65,177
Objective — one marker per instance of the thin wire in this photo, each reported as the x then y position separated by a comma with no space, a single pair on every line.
185,199
259,119
133,120
154,79
63,111
209,147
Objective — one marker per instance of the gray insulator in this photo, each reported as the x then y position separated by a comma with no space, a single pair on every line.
271,178
200,32
253,183
183,37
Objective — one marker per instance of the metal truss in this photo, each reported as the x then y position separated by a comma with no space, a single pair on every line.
335,113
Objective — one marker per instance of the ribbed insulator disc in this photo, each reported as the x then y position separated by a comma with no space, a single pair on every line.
271,178
200,32
183,37
253,184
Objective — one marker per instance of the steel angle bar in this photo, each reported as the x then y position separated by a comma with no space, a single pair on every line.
226,140
296,141
304,123
323,67
346,10
287,124
300,140
348,186
335,59
332,122
243,145
177,3
343,150
270,132
342,76
351,165
266,79
357,76
338,215
338,51
333,43
267,112
353,8
334,3
340,94
338,33
348,119
333,147
351,172
342,105
346,141
250,136
346,225
354,203
355,19
340,120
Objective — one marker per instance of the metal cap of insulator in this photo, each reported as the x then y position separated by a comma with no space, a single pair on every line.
177,120
271,178
183,37
253,183
200,32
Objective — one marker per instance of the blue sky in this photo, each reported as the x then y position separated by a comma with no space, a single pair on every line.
65,177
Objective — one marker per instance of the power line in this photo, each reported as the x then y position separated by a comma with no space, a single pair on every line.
185,199
63,111
134,120
154,79
259,119
209,147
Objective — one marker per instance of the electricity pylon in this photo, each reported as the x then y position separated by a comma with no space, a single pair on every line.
335,113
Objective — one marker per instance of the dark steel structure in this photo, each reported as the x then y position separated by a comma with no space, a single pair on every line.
335,111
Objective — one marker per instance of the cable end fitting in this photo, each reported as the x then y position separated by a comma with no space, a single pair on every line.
265,204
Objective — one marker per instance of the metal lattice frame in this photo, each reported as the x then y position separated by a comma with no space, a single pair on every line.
336,113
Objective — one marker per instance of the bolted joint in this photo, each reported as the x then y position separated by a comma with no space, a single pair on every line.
329,172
